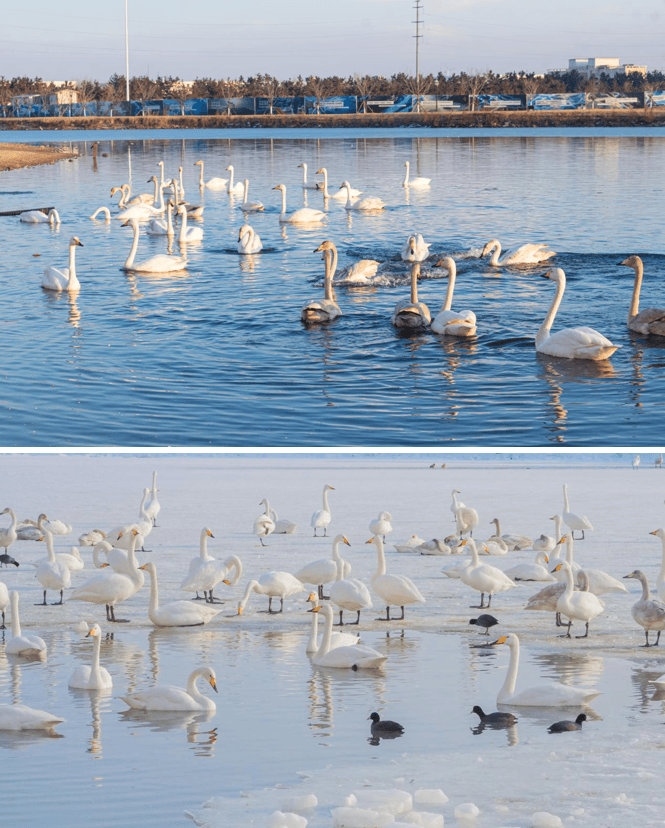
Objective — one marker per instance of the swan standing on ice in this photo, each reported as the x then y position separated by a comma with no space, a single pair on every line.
551,694
650,320
418,183
92,677
37,217
153,507
248,206
275,585
648,612
168,697
205,572
570,343
584,606
213,183
447,321
27,646
363,205
238,187
340,194
573,520
483,577
466,519
8,533
264,524
415,249
322,518
658,462
527,254
393,590
162,263
636,462
355,657
381,525
326,309
302,216
65,279
248,241
349,594
410,313
175,613
324,570
52,573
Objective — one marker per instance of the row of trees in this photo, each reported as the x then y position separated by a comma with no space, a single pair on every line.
143,88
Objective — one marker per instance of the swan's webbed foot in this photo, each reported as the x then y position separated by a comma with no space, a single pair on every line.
198,597
212,600
43,603
387,618
586,634
262,543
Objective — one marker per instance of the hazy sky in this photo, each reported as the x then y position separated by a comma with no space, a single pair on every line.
72,39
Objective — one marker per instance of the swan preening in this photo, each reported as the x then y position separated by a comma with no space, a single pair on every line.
303,216
571,343
527,254
248,241
410,313
414,182
162,263
447,321
264,525
326,309
65,279
650,320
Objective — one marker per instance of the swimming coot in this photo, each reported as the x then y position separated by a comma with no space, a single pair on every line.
497,718
561,727
384,728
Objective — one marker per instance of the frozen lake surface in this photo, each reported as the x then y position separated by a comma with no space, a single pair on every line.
284,727
217,355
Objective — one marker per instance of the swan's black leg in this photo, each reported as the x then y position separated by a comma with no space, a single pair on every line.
212,600
387,618
586,634
43,604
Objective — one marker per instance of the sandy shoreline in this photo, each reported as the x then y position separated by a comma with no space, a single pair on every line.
15,156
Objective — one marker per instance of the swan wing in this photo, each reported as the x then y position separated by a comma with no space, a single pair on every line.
578,343
183,614
54,279
20,717
165,697
161,264
306,214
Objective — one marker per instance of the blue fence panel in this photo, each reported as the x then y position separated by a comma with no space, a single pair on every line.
85,110
339,104
280,106
654,99
573,100
501,101
390,103
145,107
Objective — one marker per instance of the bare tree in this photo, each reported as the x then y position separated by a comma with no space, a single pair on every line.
142,89
179,92
364,87
271,88
473,85
86,92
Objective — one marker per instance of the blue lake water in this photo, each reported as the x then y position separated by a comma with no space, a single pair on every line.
217,355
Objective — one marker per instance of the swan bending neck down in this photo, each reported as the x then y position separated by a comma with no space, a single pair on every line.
39,217
161,263
411,313
572,343
447,321
551,694
650,320
65,279
248,241
105,211
326,309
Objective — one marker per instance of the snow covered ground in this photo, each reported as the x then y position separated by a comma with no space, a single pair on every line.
607,775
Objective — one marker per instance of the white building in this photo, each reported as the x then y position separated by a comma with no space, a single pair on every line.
594,67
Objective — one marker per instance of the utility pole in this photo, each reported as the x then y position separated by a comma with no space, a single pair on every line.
126,55
418,7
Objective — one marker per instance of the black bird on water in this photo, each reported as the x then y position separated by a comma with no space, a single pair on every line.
384,729
561,727
495,719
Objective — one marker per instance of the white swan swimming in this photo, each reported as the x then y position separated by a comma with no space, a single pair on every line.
162,263
341,193
483,577
536,571
175,613
92,676
187,234
337,639
418,183
360,272
205,572
212,183
573,520
324,570
650,320
238,187
349,594
168,697
648,612
143,198
527,254
162,227
248,206
355,657
415,249
314,185
143,211
105,211
410,313
110,587
64,279
20,717
37,217
393,590
326,309
447,321
362,205
321,519
551,694
27,646
264,524
571,343
584,606
248,241
52,573
302,216
275,585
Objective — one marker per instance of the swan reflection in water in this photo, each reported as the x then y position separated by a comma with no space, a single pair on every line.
159,721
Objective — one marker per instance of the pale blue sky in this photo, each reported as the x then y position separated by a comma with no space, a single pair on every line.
72,39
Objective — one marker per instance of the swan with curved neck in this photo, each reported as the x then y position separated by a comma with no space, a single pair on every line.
410,313
238,187
213,183
419,183
275,585
248,241
105,211
302,216
94,676
27,646
571,343
175,613
366,204
162,263
349,594
447,321
341,193
65,279
322,517
187,234
326,309
394,590
248,206
551,694
650,320
527,254
168,697
38,217
264,525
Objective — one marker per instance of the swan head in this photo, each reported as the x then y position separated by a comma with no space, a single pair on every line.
631,261
94,631
489,247
557,275
230,168
345,184
196,163
75,242
510,639
315,609
559,567
152,178
208,674
659,533
447,263
321,171
280,187
326,245
207,533
149,567
637,574
327,487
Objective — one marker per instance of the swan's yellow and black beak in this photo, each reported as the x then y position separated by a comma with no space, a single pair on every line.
501,640
314,609
210,534
226,581
546,275
213,684
39,540
78,242
655,532
371,540
145,566
311,597
239,610
346,541
557,567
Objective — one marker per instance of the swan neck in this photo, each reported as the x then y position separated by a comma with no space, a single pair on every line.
203,546
251,587
661,574
235,564
406,175
170,232
415,272
447,305
231,179
183,226
327,635
635,301
326,508
544,332
496,252
569,550
646,594
135,245
508,688
95,672
72,264
473,552
326,194
380,557
48,537
244,201
566,507
192,688
131,560
201,181
154,594
313,633
497,523
16,624
568,573
331,267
